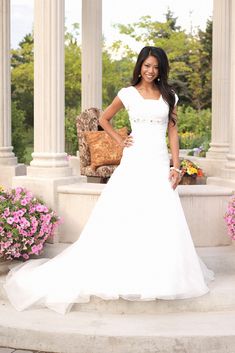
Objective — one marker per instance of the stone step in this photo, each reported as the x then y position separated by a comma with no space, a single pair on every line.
221,296
219,258
204,207
79,332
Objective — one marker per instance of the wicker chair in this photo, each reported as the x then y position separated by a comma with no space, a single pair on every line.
88,121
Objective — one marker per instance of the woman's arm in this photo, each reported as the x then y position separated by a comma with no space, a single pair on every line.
174,146
107,115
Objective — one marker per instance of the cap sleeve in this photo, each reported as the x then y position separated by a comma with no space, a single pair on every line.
123,95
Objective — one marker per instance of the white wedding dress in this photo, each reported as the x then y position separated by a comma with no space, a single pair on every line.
136,244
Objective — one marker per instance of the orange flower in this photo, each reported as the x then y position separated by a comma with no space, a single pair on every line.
200,172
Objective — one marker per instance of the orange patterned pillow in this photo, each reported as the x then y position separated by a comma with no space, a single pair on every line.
104,150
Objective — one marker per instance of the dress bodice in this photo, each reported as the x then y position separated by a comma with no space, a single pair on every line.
148,118
142,110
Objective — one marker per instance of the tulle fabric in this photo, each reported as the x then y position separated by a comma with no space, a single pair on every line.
136,244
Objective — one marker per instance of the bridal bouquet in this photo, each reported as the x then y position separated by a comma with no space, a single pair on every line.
230,218
25,224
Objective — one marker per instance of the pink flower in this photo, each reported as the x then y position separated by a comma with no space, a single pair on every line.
40,208
18,190
29,195
16,219
6,213
25,256
40,246
48,217
32,209
21,213
45,209
24,202
35,249
7,244
10,220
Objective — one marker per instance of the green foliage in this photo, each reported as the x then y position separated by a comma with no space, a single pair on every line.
22,77
72,69
116,74
206,64
28,154
18,132
194,127
187,55
71,140
121,119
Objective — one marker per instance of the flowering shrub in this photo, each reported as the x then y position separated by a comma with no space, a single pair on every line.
25,224
230,218
190,168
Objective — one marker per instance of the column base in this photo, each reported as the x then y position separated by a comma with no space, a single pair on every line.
10,171
226,178
7,157
221,182
49,172
218,150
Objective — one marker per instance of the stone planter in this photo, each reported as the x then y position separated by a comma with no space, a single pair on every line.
188,180
4,266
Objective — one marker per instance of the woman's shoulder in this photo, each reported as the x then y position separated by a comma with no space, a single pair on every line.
125,95
126,89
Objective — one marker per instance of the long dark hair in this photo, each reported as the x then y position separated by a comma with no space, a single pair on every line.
161,81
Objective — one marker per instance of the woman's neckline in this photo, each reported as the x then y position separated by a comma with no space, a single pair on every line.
146,99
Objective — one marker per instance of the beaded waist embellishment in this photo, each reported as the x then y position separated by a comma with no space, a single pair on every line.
144,120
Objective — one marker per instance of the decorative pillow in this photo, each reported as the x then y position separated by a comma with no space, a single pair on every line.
104,150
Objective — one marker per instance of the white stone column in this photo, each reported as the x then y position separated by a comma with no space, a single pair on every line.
49,156
91,54
6,154
227,172
49,167
8,161
220,81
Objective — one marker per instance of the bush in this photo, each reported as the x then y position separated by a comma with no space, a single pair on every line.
71,139
121,119
194,128
18,132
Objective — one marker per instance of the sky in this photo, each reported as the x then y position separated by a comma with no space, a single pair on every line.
191,14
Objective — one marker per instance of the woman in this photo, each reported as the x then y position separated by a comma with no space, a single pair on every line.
136,244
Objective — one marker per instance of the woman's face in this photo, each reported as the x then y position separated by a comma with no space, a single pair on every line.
149,69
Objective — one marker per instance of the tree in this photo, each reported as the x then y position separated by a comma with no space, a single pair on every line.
22,77
186,53
72,68
18,132
205,38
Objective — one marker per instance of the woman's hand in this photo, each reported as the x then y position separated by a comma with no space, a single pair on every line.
174,178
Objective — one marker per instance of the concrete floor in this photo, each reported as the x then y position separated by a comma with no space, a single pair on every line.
12,350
